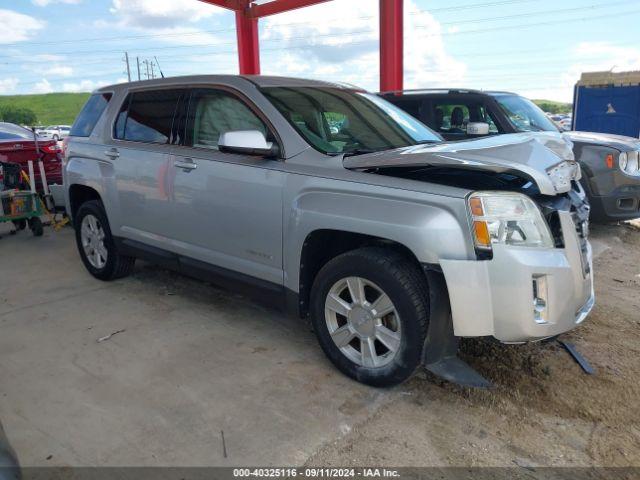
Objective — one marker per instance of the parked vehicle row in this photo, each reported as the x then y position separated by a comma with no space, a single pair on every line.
54,132
333,203
610,167
18,145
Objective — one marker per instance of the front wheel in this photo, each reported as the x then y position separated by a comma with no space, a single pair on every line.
36,227
369,309
96,244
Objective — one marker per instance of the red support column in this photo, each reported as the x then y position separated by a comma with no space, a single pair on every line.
248,46
391,45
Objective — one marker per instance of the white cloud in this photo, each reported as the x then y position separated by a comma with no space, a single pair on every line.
8,85
339,41
43,86
48,57
587,57
17,27
59,70
161,13
44,3
88,85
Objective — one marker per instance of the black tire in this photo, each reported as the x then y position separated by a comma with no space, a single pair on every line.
36,227
55,137
406,286
116,265
20,224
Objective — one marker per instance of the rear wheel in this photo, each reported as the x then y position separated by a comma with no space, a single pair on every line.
369,310
20,224
36,227
96,244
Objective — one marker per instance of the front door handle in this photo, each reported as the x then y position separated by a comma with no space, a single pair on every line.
186,164
112,153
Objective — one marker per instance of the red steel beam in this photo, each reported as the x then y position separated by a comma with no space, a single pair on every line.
391,45
248,45
230,4
279,6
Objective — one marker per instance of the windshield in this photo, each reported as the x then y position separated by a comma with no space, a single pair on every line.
525,115
335,120
9,131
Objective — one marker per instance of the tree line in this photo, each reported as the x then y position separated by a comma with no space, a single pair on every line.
18,115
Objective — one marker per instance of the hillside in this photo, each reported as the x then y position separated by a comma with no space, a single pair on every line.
554,107
50,108
62,108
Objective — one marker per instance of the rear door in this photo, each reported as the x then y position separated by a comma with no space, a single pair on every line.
139,153
227,207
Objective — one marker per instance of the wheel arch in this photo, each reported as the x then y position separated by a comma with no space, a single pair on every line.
79,194
322,245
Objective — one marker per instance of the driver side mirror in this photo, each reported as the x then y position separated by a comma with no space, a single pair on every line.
477,129
248,142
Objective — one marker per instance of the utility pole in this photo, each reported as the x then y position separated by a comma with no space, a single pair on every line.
138,62
153,72
126,59
146,64
159,67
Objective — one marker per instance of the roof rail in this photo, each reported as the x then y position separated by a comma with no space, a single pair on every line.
427,90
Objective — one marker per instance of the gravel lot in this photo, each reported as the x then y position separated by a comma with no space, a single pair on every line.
194,361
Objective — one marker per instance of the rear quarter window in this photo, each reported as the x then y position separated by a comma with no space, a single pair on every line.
90,114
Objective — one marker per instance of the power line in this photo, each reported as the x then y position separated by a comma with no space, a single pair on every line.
369,31
199,32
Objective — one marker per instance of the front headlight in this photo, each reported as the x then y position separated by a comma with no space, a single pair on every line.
508,218
630,162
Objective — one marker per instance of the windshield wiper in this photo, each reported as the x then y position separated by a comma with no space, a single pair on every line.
359,151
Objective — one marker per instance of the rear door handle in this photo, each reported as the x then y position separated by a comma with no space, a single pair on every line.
186,164
112,153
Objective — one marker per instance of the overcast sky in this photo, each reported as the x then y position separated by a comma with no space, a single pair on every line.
534,47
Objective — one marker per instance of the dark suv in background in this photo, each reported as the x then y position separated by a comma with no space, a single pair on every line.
610,163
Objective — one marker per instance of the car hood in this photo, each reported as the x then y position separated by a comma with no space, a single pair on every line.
619,142
531,154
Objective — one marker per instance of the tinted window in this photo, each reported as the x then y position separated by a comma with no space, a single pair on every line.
213,112
90,114
525,115
147,116
453,118
9,131
336,120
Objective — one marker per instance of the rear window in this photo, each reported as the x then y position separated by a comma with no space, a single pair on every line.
9,131
147,116
90,114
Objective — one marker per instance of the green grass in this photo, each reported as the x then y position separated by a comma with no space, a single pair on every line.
50,108
554,107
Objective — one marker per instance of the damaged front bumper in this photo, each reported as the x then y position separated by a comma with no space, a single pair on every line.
523,294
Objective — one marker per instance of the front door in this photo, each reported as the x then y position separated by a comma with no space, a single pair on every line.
227,208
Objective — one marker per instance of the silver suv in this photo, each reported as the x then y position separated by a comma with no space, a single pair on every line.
331,203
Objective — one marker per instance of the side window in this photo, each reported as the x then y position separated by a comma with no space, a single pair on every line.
213,112
452,118
148,116
90,114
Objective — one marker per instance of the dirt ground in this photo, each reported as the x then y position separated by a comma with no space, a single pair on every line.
543,411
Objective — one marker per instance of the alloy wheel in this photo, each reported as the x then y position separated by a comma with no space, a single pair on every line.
363,322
